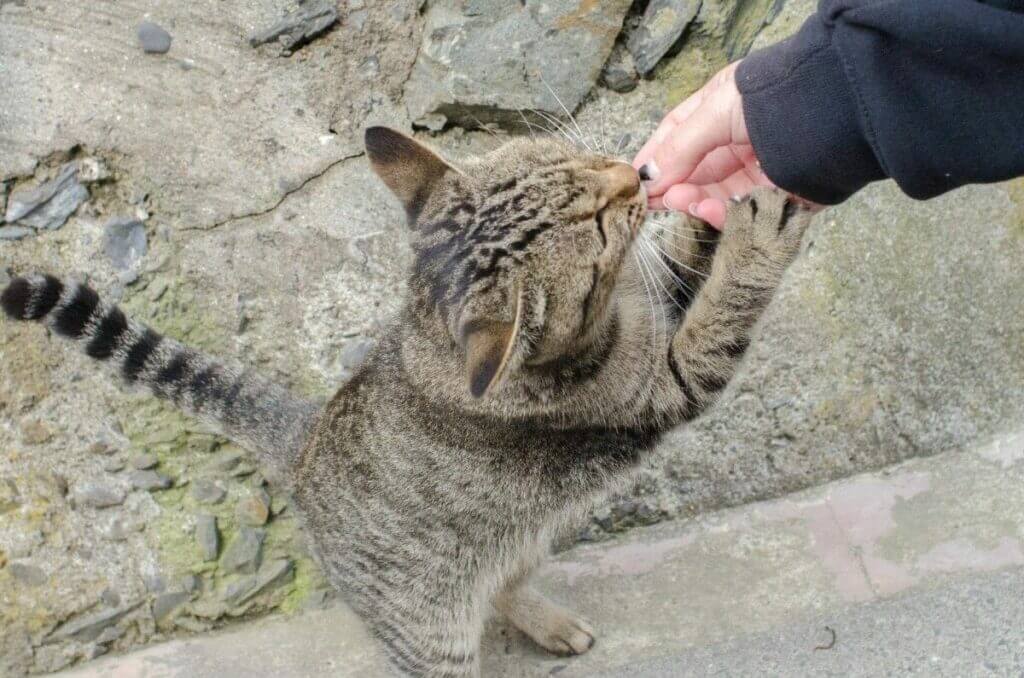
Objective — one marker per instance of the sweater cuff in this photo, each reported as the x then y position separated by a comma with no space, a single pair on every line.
801,114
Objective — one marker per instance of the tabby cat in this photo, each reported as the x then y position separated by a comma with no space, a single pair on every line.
527,375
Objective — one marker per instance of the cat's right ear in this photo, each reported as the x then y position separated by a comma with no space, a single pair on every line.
407,167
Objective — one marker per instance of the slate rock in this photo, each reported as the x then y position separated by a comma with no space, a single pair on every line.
620,73
491,58
124,243
166,603
14,232
145,462
149,480
113,465
207,537
153,38
244,552
98,496
207,491
254,509
89,627
27,574
225,460
309,20
270,576
48,206
662,24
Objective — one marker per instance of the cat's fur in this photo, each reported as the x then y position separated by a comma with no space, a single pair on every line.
526,376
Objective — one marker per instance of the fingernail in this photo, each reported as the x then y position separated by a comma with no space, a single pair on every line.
692,209
649,171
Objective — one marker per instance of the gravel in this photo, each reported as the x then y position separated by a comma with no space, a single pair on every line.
244,553
153,38
207,537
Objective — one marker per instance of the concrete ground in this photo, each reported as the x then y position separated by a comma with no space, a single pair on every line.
916,570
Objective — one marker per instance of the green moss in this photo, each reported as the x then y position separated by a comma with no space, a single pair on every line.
701,57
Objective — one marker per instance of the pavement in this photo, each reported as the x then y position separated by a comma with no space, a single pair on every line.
914,570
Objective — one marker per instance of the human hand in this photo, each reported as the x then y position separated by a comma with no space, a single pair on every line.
701,155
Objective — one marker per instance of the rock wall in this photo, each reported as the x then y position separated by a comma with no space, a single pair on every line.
215,185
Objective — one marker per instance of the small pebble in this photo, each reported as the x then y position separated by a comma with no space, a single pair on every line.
144,462
153,38
207,491
149,480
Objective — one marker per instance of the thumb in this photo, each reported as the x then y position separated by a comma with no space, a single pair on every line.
678,155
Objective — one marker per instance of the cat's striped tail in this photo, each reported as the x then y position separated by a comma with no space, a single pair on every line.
251,411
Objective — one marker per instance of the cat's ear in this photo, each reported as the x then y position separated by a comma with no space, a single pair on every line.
490,347
407,167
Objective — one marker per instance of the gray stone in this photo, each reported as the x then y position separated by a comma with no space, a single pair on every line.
87,628
25,573
153,38
207,536
110,634
207,491
620,72
124,243
225,460
354,352
660,27
154,582
110,597
48,205
309,20
98,496
243,469
491,58
149,480
254,509
113,465
269,577
144,462
14,232
167,603
244,552
92,170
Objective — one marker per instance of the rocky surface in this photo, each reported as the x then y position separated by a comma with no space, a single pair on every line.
267,239
487,59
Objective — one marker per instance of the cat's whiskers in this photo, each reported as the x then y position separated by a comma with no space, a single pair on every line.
650,300
660,235
663,326
568,114
657,253
679,263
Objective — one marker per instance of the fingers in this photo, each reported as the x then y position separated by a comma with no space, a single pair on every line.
675,117
685,146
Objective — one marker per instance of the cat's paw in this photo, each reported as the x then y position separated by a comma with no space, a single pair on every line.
561,632
769,223
548,624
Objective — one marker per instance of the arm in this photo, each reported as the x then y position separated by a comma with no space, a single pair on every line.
930,94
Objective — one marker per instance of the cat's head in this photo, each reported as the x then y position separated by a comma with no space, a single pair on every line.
517,251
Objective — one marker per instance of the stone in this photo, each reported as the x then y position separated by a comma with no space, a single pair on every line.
124,243
207,537
619,72
311,19
253,510
207,491
27,574
120,529
270,576
208,609
97,496
192,625
244,552
113,465
110,597
34,432
48,206
149,480
489,59
144,462
167,603
100,447
109,635
243,469
661,26
14,232
89,627
225,460
153,38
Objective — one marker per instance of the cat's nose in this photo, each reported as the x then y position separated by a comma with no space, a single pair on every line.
620,180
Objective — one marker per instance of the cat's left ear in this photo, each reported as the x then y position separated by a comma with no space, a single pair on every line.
407,167
491,351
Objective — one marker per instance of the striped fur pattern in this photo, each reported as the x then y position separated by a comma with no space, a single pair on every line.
246,408
532,367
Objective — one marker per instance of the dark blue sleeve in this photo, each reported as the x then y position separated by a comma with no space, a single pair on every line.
929,93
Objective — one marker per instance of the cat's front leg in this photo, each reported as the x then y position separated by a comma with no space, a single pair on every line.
550,625
761,239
